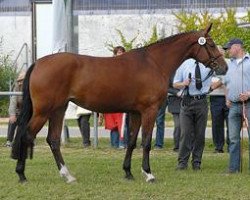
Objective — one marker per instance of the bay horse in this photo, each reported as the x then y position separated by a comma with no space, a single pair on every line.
135,82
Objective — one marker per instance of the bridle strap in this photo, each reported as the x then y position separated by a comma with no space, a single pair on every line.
212,59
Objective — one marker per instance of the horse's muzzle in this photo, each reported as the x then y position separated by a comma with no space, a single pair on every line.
221,70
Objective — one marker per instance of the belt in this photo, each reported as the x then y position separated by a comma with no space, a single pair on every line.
198,97
241,102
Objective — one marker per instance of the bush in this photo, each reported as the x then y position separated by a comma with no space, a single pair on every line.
7,73
128,45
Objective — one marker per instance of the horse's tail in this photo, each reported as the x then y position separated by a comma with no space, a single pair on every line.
22,140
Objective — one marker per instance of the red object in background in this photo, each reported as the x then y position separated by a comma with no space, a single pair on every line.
113,120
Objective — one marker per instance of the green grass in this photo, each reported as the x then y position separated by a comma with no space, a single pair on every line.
100,176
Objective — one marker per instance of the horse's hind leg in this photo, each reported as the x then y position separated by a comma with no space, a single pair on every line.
134,126
34,126
53,139
148,119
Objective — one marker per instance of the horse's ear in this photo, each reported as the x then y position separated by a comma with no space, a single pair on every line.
208,28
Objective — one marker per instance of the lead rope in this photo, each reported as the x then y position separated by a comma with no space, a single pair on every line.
244,120
242,125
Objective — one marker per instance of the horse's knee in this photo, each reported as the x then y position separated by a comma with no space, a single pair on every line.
132,146
54,144
147,146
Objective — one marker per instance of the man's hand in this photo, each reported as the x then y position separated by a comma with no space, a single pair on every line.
12,119
228,103
244,96
186,82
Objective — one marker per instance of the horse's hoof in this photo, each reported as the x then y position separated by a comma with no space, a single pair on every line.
22,181
71,179
149,177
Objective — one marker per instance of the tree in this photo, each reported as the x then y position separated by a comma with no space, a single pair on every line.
225,26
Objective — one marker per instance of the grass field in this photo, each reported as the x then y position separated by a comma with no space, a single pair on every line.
100,176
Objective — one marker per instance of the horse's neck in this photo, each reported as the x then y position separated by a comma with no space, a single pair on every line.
168,57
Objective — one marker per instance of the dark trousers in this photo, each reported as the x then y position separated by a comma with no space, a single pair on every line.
177,130
219,114
160,125
11,131
83,123
193,120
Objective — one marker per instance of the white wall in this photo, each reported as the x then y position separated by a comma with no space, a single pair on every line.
97,30
15,31
94,31
44,29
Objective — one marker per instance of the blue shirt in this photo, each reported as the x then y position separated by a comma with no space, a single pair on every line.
237,79
187,67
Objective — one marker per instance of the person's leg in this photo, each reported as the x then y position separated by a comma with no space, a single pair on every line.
160,123
83,122
66,131
11,131
234,125
114,137
186,138
200,120
124,141
225,112
217,104
177,131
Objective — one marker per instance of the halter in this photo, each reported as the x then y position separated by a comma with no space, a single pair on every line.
202,41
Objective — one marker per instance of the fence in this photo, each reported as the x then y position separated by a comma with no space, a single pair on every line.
95,6
156,4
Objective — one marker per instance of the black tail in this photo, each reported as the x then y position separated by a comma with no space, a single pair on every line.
22,141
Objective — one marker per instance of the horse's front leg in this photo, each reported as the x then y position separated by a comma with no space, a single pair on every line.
134,126
63,170
148,120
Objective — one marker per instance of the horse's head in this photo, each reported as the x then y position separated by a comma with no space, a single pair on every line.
206,52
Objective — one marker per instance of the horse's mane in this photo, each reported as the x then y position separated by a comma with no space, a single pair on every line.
165,40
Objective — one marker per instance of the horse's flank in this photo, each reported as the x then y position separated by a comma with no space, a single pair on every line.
109,79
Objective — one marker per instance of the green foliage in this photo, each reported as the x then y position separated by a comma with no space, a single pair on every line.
7,73
224,25
131,44
153,38
128,45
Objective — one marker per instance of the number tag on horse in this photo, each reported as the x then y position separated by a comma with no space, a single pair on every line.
202,41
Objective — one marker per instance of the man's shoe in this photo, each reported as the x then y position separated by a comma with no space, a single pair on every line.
181,168
157,148
121,147
8,144
196,167
218,151
230,171
86,145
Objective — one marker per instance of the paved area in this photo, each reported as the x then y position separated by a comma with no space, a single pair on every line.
74,132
